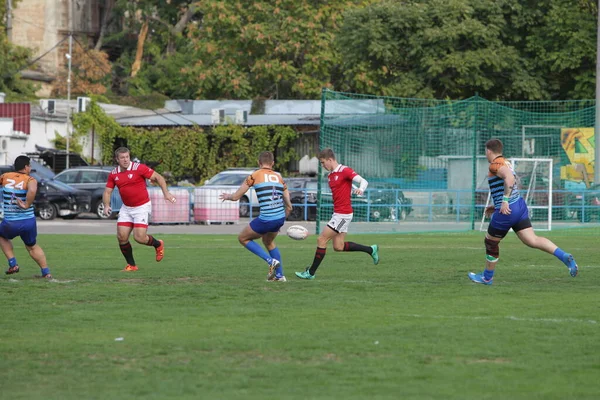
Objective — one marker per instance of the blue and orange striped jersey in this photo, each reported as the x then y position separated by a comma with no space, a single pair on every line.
497,184
269,186
14,185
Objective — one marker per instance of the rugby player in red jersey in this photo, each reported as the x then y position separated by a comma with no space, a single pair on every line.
130,178
340,179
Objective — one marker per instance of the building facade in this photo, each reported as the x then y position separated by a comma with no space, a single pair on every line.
41,24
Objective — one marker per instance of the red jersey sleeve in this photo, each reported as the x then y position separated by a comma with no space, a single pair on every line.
110,183
145,171
349,173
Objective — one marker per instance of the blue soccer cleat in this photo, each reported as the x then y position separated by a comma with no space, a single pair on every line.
305,275
571,264
479,278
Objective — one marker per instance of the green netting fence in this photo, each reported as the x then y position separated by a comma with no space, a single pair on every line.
425,160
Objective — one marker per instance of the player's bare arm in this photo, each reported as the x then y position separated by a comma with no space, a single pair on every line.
362,182
158,178
30,197
287,202
509,181
106,200
237,195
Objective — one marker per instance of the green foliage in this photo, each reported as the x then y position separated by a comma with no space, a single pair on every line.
185,152
274,49
12,60
456,48
60,142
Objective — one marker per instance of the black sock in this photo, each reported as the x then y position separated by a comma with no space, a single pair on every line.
152,242
127,252
319,256
351,246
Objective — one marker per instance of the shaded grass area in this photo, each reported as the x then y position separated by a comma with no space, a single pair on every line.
204,323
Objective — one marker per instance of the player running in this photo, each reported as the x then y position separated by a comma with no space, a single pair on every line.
510,211
134,215
275,206
19,219
340,178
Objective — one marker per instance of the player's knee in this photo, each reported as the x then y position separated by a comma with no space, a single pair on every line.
141,239
492,250
338,247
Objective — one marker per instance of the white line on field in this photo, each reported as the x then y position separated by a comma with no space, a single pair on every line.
510,317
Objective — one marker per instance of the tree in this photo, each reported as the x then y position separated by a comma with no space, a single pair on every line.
505,49
562,47
163,21
13,59
90,71
265,48
438,48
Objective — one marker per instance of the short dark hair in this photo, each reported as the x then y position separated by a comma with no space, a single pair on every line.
495,145
21,162
121,150
325,154
266,157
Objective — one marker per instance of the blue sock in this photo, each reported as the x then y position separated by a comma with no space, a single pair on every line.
487,274
277,255
256,249
45,271
560,254
12,262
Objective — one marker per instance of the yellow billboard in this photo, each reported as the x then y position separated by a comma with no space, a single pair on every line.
578,144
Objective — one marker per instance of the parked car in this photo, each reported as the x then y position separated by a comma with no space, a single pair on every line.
54,198
381,201
231,179
303,194
93,180
586,204
384,201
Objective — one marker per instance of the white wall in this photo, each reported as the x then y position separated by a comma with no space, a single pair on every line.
42,134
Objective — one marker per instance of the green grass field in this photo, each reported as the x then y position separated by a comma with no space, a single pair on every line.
204,323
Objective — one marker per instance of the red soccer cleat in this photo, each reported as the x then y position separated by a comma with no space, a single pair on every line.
12,270
160,251
130,268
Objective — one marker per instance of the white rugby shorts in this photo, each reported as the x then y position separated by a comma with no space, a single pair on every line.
136,217
340,222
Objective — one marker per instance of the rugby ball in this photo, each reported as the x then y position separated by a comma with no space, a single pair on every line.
297,232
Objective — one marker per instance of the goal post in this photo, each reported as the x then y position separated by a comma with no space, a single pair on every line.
534,181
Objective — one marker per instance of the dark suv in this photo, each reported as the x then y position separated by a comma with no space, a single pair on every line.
91,179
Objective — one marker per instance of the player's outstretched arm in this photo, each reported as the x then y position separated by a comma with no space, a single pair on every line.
237,195
160,180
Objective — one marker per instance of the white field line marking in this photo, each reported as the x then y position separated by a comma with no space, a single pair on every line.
510,317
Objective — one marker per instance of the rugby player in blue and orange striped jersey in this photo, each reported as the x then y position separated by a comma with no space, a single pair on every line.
19,190
510,211
275,206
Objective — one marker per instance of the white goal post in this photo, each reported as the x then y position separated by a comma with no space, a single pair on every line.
534,181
